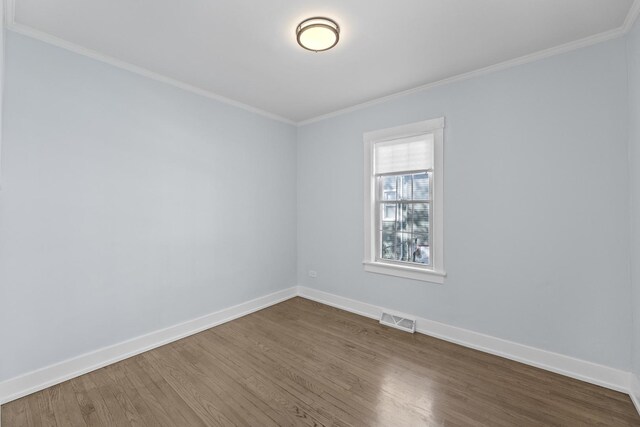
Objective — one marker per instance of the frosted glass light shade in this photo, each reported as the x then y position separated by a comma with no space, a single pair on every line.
318,34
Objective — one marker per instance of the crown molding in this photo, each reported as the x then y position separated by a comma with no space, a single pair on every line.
9,12
632,17
47,38
629,21
12,25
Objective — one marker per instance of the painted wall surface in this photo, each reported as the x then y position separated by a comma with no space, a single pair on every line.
536,205
633,57
128,206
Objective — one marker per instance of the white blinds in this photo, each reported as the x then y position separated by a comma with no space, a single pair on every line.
403,155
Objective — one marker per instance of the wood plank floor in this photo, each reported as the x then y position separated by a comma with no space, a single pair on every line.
304,363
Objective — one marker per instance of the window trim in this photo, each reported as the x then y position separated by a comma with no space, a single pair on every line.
436,272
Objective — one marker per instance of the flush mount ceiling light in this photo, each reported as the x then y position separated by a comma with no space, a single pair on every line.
318,34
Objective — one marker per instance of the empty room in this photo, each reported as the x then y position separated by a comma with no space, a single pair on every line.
319,213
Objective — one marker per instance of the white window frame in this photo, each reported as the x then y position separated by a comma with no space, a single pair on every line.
434,273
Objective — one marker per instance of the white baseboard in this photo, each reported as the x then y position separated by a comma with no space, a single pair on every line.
634,391
594,373
31,382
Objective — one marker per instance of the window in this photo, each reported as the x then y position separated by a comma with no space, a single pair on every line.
404,224
403,201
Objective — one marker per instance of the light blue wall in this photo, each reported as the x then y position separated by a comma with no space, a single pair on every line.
536,205
633,55
128,205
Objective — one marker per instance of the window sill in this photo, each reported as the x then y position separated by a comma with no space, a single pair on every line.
405,271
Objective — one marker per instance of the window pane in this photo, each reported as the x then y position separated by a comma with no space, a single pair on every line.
389,187
422,255
388,244
396,245
406,189
389,225
404,246
389,212
404,225
421,186
420,227
419,219
404,211
405,235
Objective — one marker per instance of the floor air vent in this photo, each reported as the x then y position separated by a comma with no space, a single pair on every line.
407,325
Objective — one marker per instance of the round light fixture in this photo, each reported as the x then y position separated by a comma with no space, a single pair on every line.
318,34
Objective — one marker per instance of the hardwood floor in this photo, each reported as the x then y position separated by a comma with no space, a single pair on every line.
304,363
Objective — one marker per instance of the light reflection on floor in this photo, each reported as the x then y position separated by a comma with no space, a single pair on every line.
397,386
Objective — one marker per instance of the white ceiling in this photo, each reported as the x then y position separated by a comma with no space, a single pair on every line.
245,50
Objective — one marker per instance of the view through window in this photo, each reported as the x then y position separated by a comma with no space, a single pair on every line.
404,217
